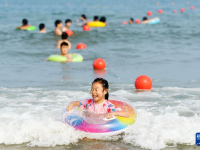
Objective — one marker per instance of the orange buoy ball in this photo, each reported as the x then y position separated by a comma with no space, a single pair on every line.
199,6
149,13
175,11
124,22
192,7
143,82
182,9
160,11
86,28
81,46
99,64
137,21
69,32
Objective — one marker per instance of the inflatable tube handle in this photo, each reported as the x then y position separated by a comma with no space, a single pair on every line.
105,119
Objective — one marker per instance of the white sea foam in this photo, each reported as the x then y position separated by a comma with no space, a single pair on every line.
168,116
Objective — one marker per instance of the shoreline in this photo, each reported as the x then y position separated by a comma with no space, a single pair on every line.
90,145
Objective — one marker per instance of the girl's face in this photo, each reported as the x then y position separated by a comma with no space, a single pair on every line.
97,92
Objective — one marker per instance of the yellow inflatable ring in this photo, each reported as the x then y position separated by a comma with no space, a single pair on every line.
96,24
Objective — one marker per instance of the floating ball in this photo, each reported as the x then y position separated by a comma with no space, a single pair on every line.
99,64
160,11
192,7
199,6
137,21
86,28
175,11
143,82
69,32
182,9
149,13
124,22
81,46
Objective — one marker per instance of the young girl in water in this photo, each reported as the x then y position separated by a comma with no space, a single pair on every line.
100,103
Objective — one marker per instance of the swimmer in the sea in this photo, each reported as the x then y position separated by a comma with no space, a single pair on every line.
83,21
96,18
68,23
42,28
64,48
146,20
58,24
24,25
64,38
131,21
103,19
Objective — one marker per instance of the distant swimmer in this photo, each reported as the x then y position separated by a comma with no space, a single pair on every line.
103,19
58,24
42,28
68,23
64,48
64,38
131,21
146,20
24,25
96,18
83,20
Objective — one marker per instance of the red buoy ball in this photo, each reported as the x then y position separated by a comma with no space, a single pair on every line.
137,21
99,64
124,22
69,32
160,11
81,46
175,11
192,7
143,82
149,13
182,9
86,28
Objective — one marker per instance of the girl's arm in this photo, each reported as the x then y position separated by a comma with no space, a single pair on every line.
123,113
72,105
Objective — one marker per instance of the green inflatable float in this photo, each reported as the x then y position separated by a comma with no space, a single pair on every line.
59,58
31,28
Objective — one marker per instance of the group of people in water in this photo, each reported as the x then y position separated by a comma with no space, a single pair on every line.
64,44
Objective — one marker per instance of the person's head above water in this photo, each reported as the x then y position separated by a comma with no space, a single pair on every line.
64,48
102,19
58,23
25,22
83,17
131,20
41,26
64,36
99,90
68,23
96,18
145,18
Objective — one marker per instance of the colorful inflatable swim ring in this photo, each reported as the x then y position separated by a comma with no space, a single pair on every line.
111,127
59,58
154,21
96,24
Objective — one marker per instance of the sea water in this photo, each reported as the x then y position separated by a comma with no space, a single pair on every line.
34,92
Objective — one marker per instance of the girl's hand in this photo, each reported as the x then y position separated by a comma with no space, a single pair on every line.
109,115
70,107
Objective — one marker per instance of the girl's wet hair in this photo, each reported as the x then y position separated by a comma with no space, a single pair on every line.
104,85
